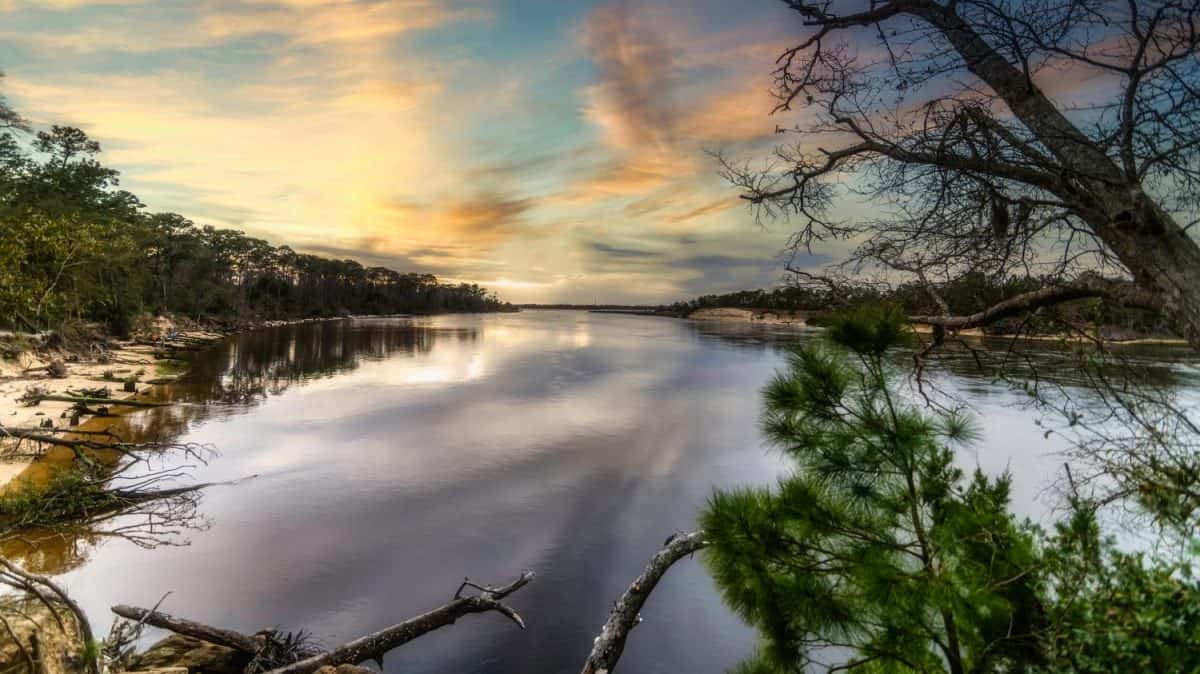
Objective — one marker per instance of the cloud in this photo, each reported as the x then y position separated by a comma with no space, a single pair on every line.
633,101
389,133
618,252
143,27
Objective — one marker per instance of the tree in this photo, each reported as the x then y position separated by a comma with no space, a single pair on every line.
877,554
876,544
960,115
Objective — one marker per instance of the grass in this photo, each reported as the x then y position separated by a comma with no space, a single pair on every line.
69,495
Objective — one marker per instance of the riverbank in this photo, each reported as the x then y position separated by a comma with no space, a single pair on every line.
795,319
801,319
114,369
108,368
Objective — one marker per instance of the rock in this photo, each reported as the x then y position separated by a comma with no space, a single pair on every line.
57,369
193,655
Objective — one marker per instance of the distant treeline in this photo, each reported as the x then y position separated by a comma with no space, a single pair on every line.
968,294
596,307
75,247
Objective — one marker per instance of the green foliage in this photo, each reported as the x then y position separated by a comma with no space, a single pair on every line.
870,329
967,294
75,247
876,543
878,554
1117,611
69,495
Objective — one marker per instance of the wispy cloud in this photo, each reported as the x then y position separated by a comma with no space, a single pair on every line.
556,159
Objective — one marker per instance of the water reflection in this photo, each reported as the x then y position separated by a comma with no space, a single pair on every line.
395,457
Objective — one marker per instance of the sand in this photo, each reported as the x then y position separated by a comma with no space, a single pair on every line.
123,360
762,316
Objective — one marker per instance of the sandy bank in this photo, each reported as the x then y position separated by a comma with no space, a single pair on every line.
148,362
796,319
799,319
109,369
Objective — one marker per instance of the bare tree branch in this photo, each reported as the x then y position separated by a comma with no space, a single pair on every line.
213,635
1037,299
626,613
374,646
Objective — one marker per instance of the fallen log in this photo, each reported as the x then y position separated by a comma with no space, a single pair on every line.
374,646
86,400
370,647
213,635
626,613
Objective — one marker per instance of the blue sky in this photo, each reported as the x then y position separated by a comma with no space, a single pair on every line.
554,151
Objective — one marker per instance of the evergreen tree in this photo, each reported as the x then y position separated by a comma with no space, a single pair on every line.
876,554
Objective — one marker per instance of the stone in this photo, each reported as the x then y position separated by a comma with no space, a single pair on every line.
194,655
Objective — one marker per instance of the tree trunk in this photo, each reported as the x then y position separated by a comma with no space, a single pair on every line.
1161,256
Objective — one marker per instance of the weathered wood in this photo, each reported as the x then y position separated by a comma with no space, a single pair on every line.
374,646
1123,293
95,401
626,613
33,583
213,635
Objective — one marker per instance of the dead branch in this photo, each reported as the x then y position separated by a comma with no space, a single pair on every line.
213,635
1043,297
626,613
370,647
374,646
18,578
87,400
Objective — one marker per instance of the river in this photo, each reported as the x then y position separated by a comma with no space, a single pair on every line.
393,457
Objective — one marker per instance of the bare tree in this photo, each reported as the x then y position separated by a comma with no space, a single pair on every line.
1036,137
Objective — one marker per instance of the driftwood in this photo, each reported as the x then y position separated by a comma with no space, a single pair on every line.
607,648
87,400
370,647
626,613
374,646
213,635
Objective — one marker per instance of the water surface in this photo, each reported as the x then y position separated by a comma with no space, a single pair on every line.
393,457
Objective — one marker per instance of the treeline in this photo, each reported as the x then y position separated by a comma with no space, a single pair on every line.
967,294
76,247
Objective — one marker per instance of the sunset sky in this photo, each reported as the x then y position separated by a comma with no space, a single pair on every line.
551,150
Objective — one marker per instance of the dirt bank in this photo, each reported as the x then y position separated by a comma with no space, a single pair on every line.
796,319
109,370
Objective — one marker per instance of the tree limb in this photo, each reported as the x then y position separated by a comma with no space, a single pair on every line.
213,635
111,402
31,582
626,613
1037,299
374,646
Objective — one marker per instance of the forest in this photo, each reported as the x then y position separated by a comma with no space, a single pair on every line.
969,293
76,248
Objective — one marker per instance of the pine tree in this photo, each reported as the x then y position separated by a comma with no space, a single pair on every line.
876,553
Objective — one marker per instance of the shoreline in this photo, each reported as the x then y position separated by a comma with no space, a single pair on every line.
799,319
147,362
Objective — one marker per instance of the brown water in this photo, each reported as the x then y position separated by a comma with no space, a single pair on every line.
394,457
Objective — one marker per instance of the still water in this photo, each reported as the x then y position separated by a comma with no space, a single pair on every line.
393,457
